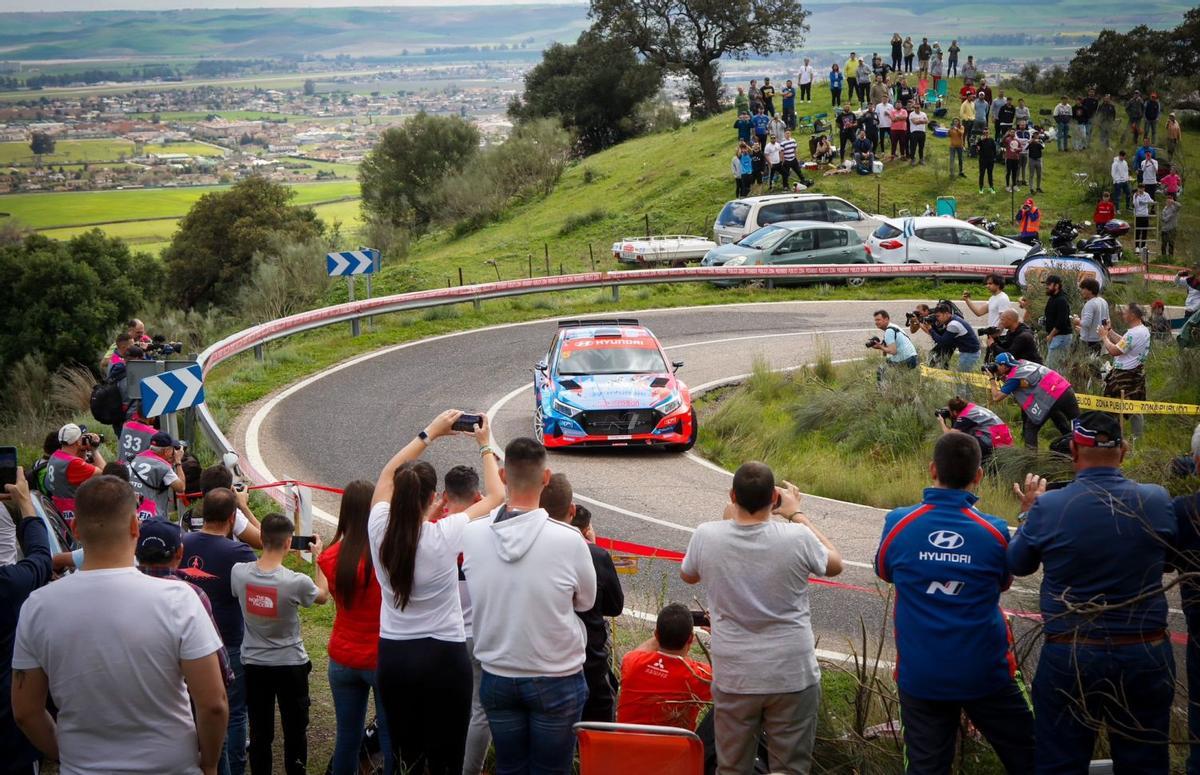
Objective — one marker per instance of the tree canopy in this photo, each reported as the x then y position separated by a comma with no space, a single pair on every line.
40,143
593,86
691,36
212,253
399,177
1143,58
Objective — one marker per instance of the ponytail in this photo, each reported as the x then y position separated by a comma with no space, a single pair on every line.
414,485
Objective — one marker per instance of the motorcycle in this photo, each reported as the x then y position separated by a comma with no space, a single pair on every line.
1104,246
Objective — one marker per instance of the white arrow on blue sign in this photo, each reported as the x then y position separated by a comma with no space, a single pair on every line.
172,390
351,262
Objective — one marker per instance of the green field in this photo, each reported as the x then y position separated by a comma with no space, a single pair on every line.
80,151
191,149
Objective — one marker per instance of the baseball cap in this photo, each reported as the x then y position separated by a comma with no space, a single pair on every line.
69,433
158,540
1029,202
162,439
1006,359
1096,429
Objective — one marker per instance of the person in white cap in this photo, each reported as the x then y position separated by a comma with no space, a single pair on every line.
78,459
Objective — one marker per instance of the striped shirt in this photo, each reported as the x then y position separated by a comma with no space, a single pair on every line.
788,146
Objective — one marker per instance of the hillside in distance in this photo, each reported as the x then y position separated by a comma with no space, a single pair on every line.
387,31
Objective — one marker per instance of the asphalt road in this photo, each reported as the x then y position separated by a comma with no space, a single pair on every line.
344,423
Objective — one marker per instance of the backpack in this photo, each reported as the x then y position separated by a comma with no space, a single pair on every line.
106,400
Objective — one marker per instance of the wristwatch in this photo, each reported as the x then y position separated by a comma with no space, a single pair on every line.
423,436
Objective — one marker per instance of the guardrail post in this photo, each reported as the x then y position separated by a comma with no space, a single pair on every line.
258,353
477,304
355,326
616,293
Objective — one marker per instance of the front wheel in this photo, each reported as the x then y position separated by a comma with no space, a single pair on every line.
539,425
691,442
856,281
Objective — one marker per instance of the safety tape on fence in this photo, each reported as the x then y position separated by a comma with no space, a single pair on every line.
1086,401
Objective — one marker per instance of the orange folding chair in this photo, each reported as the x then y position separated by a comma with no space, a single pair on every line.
638,749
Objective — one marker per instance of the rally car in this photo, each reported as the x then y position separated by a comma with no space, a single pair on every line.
609,383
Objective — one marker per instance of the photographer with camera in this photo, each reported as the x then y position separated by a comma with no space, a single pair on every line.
952,334
77,460
1042,393
155,474
898,350
1016,338
980,422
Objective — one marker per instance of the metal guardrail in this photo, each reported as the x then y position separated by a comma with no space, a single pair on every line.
255,337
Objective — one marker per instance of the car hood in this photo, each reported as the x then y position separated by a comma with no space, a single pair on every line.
719,255
615,391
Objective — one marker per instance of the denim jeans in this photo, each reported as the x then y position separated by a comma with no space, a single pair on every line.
532,720
234,753
1129,689
1059,347
1122,188
351,688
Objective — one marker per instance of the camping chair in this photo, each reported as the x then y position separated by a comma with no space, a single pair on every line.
638,749
804,123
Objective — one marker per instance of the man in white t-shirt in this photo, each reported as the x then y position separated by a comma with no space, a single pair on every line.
120,652
528,575
883,114
765,671
805,79
1094,312
997,302
1128,376
917,121
772,153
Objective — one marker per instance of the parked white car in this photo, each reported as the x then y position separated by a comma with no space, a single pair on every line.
742,217
941,240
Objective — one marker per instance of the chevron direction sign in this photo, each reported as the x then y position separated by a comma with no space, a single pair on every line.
172,390
351,262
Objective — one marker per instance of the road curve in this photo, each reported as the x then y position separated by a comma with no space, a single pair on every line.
345,422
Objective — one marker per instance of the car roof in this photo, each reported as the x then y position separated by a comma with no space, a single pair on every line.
921,221
772,198
615,332
809,225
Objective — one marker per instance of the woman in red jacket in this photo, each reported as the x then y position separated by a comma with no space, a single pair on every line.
354,642
1105,210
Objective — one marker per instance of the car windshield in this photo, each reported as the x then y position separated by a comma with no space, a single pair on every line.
765,238
614,356
886,231
734,214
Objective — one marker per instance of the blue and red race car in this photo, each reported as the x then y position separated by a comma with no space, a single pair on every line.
609,383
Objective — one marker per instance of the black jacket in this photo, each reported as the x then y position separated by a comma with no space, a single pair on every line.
17,582
610,601
1058,314
1021,343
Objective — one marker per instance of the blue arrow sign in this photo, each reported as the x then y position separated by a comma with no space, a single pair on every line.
352,262
172,390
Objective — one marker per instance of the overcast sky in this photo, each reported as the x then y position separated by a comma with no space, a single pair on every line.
163,5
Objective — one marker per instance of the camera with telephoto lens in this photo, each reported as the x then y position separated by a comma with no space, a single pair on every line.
873,342
86,439
989,368
989,331
160,347
942,412
917,317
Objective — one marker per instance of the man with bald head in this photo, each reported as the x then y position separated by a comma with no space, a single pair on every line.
756,571
1017,338
158,644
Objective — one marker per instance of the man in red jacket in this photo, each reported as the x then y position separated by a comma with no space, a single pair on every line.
1105,210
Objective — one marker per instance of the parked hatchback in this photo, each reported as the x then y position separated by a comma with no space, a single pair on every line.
792,243
740,217
940,240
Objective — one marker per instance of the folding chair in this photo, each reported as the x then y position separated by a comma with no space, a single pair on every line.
638,749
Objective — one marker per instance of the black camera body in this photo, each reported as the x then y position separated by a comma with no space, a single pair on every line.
989,331
872,342
86,439
942,412
989,368
917,317
160,347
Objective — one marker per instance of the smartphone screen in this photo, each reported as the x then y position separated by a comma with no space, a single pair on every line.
301,542
467,423
8,465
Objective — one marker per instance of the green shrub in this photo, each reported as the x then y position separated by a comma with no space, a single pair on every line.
577,221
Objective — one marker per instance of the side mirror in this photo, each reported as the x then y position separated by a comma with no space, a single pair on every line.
996,245
541,366
677,364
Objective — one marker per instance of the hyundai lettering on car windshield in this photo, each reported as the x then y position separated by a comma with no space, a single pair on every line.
765,238
586,356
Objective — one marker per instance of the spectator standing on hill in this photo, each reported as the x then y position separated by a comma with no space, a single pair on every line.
1001,114
805,79
787,150
740,102
1057,323
1029,221
424,671
1149,174
957,596
755,97
851,71
924,54
735,166
869,123
863,78
879,91
1168,221
1062,123
130,712
768,97
528,575
1011,147
1127,379
771,153
985,152
761,122
349,576
1120,179
836,80
660,684
788,94
952,59
746,163
970,71
883,117
276,663
984,90
208,557
764,666
1171,182
907,46
1144,151
744,127
556,499
917,122
1024,137
1095,311
758,162
1135,111
966,114
1105,210
1102,542
18,580
937,70
897,51
982,108
847,128
1142,202
1174,136
77,460
1105,117
899,131
776,127
1151,112
1034,151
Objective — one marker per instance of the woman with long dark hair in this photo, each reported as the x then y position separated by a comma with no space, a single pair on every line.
424,671
349,576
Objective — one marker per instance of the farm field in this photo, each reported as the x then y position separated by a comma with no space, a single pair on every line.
80,151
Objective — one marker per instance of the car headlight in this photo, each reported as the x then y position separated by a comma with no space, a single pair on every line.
736,261
567,409
670,405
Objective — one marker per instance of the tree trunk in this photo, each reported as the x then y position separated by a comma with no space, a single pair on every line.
708,88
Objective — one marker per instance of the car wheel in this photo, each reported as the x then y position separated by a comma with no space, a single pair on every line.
539,425
856,281
691,442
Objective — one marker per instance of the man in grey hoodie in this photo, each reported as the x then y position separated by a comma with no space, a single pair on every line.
528,575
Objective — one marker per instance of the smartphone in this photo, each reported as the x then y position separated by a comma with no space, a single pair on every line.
8,465
700,619
1104,322
467,423
301,543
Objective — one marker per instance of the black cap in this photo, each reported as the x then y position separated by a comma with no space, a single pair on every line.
1097,429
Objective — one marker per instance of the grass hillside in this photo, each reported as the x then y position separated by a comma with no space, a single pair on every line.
681,179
